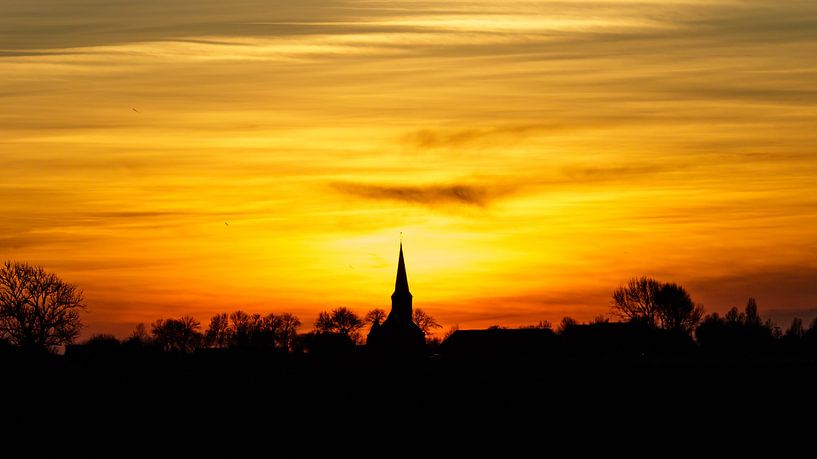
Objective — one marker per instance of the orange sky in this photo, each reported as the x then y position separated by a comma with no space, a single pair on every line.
536,154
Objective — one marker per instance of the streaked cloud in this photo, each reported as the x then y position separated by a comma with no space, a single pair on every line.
457,138
429,195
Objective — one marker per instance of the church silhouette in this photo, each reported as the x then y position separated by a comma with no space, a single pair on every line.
398,334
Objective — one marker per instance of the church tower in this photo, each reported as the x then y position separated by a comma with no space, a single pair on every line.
398,333
401,310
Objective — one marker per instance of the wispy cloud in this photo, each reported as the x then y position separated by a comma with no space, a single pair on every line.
428,195
454,138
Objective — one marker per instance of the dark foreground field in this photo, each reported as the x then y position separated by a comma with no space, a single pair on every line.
305,392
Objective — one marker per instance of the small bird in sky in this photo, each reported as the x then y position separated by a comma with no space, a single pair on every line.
137,111
226,224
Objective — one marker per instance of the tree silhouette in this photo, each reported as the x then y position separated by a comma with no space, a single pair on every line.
340,320
665,305
733,316
810,337
37,309
566,323
752,317
256,331
102,344
177,335
796,331
218,334
139,337
102,340
426,323
542,325
243,328
676,310
793,340
375,316
740,335
636,300
284,329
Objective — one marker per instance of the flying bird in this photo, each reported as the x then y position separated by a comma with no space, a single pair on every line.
137,111
226,224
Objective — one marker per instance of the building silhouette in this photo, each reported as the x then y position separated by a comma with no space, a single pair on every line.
501,344
398,333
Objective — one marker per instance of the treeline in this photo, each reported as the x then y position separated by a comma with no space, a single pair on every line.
669,307
38,311
745,334
339,328
238,329
660,312
737,335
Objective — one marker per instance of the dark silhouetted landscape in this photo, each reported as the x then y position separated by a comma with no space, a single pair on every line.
606,213
658,348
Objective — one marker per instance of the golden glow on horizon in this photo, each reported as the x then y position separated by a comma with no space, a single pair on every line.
535,154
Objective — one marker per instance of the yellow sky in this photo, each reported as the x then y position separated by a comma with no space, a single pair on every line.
535,154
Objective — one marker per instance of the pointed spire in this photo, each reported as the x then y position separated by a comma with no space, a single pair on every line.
401,283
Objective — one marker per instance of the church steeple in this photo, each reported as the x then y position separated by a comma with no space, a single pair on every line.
401,298
401,283
398,333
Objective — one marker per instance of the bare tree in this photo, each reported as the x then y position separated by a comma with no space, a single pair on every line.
139,338
286,331
566,323
375,316
38,310
243,330
676,310
796,330
103,343
544,324
340,320
426,323
665,305
140,332
244,327
279,330
752,317
636,300
177,335
218,334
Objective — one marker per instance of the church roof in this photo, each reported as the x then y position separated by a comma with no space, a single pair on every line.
401,283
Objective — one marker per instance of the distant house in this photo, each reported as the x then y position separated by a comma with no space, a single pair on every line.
501,343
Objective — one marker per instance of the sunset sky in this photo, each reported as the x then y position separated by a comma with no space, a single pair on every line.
535,154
